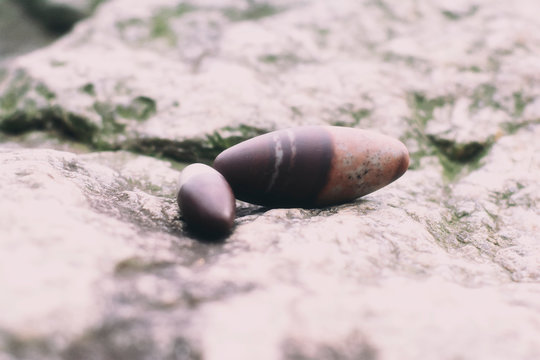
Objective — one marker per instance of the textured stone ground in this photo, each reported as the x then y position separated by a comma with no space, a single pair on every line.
95,262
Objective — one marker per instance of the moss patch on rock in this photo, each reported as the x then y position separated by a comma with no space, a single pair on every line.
197,149
456,158
156,26
159,23
27,105
22,101
140,108
456,15
253,11
353,116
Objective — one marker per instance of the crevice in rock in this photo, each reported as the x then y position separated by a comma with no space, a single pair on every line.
203,149
58,18
27,105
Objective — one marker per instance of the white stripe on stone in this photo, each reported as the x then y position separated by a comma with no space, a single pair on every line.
278,159
290,134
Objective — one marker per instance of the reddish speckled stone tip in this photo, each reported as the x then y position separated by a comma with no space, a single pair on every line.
312,166
206,201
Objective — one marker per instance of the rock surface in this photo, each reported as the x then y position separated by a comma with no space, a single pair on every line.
95,262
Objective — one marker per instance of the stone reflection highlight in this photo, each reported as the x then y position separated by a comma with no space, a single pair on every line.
206,200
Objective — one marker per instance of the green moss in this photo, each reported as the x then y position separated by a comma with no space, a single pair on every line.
282,61
53,119
57,63
417,156
493,64
18,111
460,152
423,107
72,125
190,150
285,58
254,11
471,68
159,23
454,168
484,96
355,116
160,29
45,92
218,141
19,85
123,25
455,158
19,122
321,36
95,3
322,32
88,89
411,61
386,9
452,15
442,232
194,150
505,197
513,127
451,169
520,103
141,108
109,126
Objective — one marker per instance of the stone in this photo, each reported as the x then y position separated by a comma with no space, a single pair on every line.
206,200
312,166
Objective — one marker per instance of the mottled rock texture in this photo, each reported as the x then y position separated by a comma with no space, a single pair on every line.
95,262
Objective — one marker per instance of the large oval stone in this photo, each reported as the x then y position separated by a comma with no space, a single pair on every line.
206,200
312,166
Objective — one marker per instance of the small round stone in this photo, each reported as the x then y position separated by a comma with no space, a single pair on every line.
206,200
312,166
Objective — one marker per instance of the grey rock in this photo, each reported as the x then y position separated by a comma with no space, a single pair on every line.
95,261
104,239
20,34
